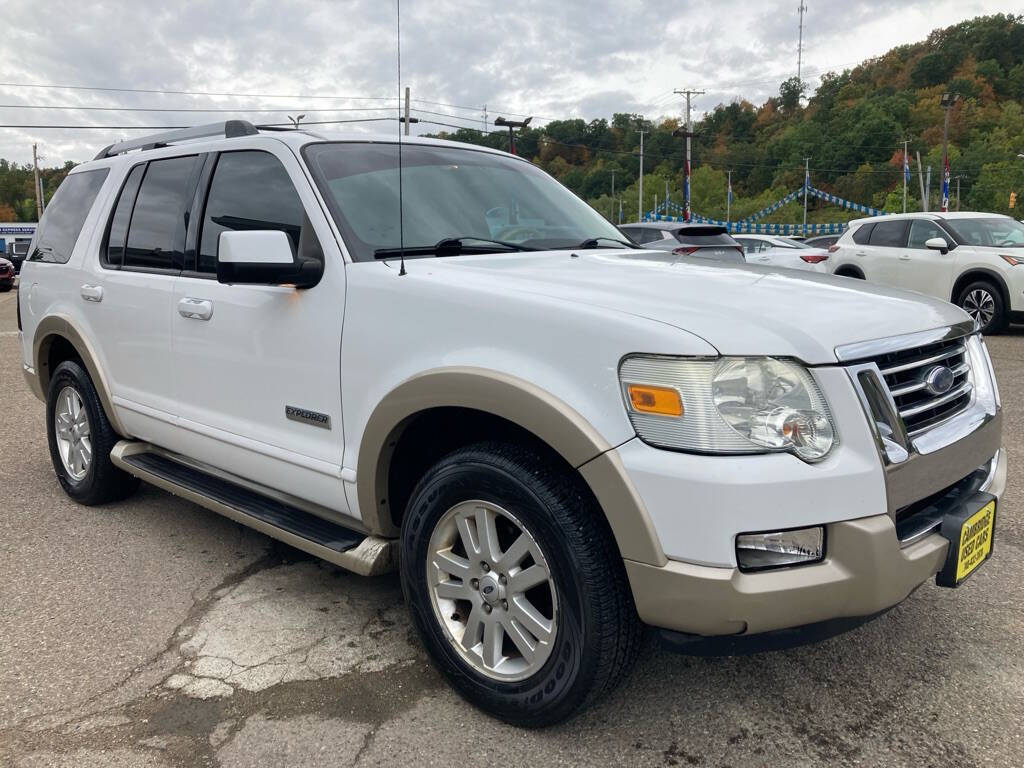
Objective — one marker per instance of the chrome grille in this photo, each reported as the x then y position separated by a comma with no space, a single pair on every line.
905,372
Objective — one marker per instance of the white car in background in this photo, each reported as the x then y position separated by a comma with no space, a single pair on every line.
782,252
975,260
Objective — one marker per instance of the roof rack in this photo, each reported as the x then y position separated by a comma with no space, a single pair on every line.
229,129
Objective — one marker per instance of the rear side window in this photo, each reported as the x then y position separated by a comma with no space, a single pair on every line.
862,233
65,215
113,254
889,234
156,235
250,190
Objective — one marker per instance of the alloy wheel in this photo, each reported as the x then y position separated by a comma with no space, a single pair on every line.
492,591
980,305
74,440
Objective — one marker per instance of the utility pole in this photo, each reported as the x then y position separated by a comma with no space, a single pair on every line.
928,186
485,118
920,178
807,183
666,197
728,201
611,216
655,205
688,93
958,191
906,173
406,127
620,210
38,184
640,197
800,45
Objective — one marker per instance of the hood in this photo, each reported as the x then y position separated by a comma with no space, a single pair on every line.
738,309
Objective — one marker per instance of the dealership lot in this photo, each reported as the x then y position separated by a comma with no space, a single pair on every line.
153,632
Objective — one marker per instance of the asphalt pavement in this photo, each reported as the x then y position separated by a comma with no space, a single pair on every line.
155,633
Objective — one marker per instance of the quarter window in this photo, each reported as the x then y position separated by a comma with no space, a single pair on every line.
113,255
65,216
250,190
889,234
862,233
156,236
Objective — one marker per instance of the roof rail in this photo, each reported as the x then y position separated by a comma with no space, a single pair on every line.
229,129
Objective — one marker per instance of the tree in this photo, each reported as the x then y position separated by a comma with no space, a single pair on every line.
790,93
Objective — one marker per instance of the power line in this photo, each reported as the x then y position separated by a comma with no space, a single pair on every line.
174,127
191,93
191,109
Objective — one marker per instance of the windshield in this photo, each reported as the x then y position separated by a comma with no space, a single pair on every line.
447,193
1002,233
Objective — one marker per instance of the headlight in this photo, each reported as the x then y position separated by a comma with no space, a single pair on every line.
727,405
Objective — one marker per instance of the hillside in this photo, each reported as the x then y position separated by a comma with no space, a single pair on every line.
852,127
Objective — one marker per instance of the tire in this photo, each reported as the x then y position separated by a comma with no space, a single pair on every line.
98,481
983,301
5,288
595,634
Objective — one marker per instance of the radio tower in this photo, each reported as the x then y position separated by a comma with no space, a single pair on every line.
800,45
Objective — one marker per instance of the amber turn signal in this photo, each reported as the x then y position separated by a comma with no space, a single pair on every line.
663,401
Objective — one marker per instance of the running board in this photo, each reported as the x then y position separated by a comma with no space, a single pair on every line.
344,547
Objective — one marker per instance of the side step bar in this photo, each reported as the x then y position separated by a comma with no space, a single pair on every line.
344,547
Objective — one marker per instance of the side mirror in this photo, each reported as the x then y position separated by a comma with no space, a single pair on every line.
937,244
263,257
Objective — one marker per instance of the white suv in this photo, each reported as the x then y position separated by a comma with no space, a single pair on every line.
975,260
432,356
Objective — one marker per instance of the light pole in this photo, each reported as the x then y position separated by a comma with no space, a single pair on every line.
640,191
512,125
296,121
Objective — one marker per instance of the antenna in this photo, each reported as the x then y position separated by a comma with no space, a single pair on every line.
800,44
401,127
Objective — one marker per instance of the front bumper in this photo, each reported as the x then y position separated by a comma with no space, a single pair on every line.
865,572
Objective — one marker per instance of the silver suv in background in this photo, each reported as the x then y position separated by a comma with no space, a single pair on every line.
698,240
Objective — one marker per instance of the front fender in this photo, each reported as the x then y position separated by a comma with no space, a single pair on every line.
548,418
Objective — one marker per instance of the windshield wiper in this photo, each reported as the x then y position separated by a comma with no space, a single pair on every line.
595,242
452,246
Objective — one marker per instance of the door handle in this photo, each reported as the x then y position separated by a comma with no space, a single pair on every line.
904,257
195,309
860,253
92,292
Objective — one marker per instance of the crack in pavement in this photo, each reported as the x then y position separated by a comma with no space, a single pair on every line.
278,637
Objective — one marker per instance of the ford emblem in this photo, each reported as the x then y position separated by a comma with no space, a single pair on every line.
939,380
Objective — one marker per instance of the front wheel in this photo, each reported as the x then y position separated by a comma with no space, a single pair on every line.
984,302
515,584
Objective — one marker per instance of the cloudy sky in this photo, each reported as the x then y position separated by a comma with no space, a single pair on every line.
336,60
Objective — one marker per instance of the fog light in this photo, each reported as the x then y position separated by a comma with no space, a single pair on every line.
757,551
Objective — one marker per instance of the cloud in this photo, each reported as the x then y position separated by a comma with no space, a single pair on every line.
574,58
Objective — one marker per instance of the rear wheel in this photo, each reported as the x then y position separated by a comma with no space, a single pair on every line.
515,584
81,438
984,302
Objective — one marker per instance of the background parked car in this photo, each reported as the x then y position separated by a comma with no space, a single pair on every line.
975,260
703,241
821,241
6,275
782,252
